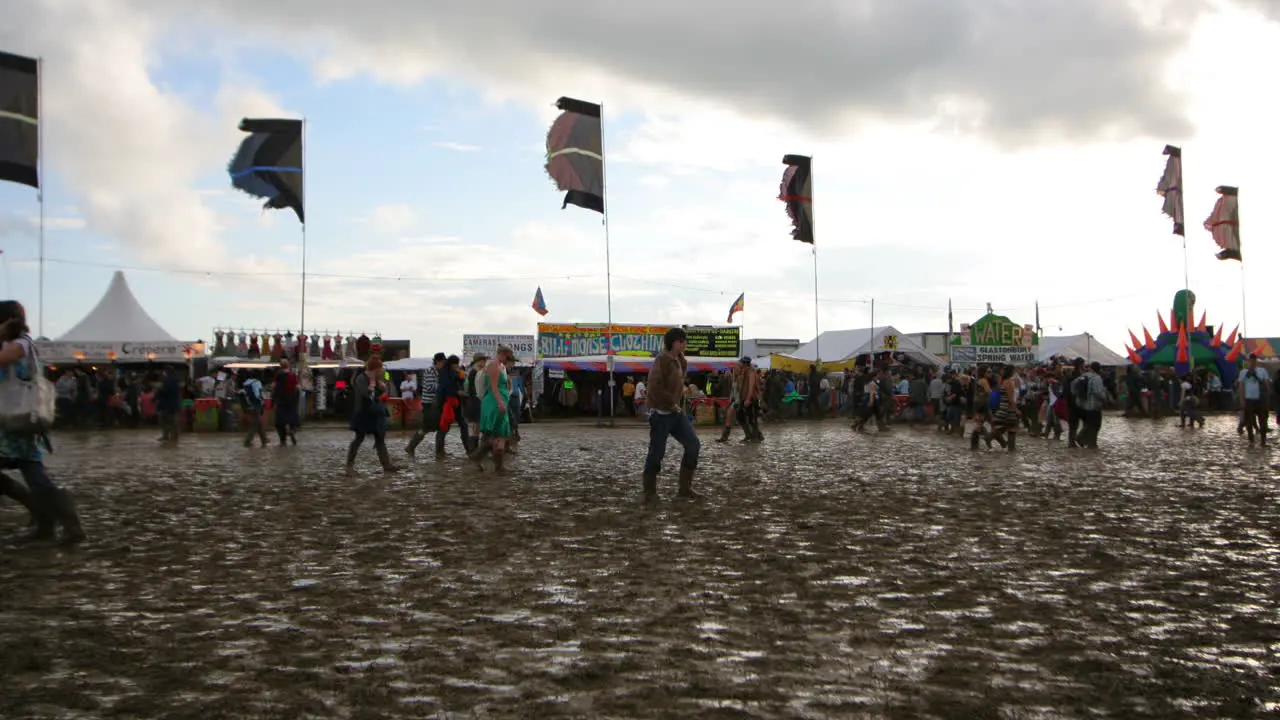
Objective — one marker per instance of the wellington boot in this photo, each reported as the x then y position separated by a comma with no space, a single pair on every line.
440,453
499,456
18,491
686,486
43,523
65,510
724,435
1013,442
974,437
384,457
650,488
351,470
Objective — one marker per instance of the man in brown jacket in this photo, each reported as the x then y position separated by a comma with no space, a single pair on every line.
668,419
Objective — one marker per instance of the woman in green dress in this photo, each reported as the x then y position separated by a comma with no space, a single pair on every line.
494,389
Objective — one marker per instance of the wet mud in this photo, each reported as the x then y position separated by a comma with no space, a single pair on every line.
825,575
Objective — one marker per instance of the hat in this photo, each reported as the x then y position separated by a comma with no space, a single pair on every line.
745,360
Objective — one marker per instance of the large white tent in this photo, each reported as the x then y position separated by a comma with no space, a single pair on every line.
838,346
118,317
118,329
1083,345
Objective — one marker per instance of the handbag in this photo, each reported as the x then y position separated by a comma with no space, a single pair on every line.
27,406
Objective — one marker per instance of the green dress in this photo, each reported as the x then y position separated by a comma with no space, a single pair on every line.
494,421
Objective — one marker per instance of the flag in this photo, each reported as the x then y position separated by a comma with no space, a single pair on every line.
269,163
797,193
19,119
737,306
1224,223
1037,317
539,305
575,154
1170,188
949,320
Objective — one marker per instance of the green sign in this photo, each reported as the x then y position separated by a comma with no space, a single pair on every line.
995,340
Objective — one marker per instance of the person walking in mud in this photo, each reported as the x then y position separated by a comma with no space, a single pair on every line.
494,388
430,413
284,400
24,450
448,405
748,392
731,410
1255,391
470,424
251,402
667,419
369,416
169,405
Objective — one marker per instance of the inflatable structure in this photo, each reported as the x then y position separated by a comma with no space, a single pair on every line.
1183,344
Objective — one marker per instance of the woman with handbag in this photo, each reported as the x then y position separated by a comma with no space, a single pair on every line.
369,415
23,432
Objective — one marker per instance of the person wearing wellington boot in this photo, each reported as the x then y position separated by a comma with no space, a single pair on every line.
731,412
666,388
430,413
24,451
748,392
494,388
369,415
448,401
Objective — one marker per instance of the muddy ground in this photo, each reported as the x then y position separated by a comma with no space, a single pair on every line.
826,575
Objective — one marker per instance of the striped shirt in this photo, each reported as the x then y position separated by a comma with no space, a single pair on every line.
429,385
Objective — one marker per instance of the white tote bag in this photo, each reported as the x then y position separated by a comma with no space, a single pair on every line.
27,405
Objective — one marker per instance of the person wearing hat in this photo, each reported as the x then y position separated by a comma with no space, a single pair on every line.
666,418
430,414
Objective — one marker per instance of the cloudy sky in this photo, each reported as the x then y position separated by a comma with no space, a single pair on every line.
972,150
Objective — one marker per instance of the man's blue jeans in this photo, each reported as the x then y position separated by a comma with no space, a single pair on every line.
676,425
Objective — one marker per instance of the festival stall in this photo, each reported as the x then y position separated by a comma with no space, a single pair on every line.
1083,345
118,330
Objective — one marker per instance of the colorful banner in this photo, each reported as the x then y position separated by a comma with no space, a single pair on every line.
584,340
120,352
995,340
523,345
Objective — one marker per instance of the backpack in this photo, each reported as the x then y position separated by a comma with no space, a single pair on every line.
1080,389
249,402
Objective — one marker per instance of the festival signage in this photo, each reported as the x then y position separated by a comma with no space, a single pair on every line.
120,352
581,340
995,340
524,347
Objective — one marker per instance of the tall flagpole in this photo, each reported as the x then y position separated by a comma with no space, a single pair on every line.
1244,298
608,266
40,182
817,331
302,329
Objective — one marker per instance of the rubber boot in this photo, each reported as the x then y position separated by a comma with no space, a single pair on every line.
498,457
650,488
65,510
440,453
483,446
724,435
416,440
351,469
42,522
686,485
1013,441
973,439
384,457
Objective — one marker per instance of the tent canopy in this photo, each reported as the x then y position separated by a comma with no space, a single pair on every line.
118,317
1083,345
839,346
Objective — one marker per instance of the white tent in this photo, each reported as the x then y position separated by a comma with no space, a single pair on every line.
117,318
1083,345
838,346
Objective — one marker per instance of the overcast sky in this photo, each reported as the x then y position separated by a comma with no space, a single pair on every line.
972,150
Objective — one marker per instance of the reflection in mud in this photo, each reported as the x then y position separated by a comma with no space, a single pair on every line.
826,575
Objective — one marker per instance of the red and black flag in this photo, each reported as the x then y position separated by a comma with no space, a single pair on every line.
1224,223
575,154
797,193
19,119
1170,188
269,163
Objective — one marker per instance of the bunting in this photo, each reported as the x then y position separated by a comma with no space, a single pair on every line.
539,305
19,120
1224,223
268,164
737,306
797,193
575,154
1170,188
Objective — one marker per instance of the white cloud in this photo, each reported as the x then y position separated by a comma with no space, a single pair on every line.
392,218
455,146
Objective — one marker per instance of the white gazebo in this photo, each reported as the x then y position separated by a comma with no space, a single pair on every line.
1084,346
118,329
839,346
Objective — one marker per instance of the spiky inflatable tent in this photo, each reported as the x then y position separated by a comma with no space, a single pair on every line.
1182,343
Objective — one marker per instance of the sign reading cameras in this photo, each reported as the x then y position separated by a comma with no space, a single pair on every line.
524,346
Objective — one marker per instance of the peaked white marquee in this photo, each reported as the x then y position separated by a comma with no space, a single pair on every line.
118,317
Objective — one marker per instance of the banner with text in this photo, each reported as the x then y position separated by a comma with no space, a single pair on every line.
524,347
581,340
120,352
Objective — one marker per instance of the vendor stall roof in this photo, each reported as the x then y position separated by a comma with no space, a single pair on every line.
839,346
1083,345
118,317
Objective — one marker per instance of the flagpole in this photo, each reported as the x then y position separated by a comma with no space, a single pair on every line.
302,330
40,180
817,331
608,266
1244,298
